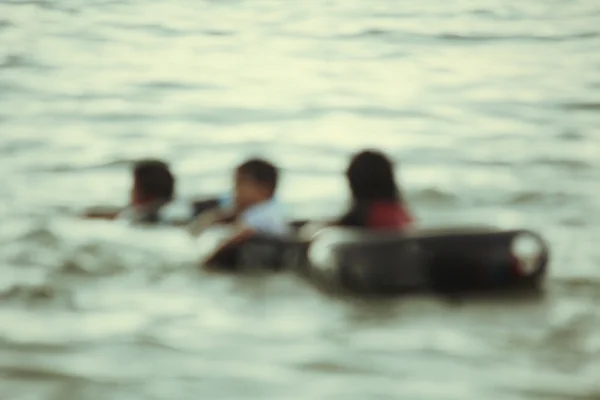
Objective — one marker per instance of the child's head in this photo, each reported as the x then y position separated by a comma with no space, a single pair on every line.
255,182
371,177
152,181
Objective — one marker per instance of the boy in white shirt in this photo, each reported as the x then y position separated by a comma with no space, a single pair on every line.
255,211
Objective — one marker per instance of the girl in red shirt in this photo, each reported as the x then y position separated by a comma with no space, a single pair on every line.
376,199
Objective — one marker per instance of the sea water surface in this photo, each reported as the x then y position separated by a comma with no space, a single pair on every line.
491,109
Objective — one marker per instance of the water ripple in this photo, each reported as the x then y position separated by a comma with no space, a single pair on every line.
447,37
161,30
174,85
5,24
562,163
16,61
536,38
432,196
37,373
583,106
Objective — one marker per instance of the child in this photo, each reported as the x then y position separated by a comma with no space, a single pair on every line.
376,200
153,188
255,211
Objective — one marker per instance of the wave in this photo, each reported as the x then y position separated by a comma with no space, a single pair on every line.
536,38
88,36
488,163
17,61
571,135
588,284
561,162
240,115
338,368
41,236
46,347
36,373
43,4
110,259
92,249
4,23
32,294
118,163
171,85
576,393
445,36
152,28
172,32
217,32
431,196
582,106
536,197
93,261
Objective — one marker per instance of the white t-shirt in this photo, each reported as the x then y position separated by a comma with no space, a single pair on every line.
175,211
267,218
158,213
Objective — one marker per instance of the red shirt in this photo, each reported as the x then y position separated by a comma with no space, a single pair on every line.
383,214
388,215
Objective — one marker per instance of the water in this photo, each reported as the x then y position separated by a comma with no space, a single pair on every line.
490,108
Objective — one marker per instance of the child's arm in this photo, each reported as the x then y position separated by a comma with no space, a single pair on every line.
258,220
203,222
208,219
241,235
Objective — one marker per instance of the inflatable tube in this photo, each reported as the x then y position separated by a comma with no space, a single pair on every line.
263,253
443,261
391,264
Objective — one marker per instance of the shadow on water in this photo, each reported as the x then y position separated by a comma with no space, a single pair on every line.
381,310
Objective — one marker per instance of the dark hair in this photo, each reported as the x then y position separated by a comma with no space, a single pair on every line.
261,171
154,179
371,177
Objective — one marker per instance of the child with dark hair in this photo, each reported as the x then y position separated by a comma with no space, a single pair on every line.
376,199
152,179
153,188
255,210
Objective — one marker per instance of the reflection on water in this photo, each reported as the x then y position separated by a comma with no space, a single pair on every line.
490,109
